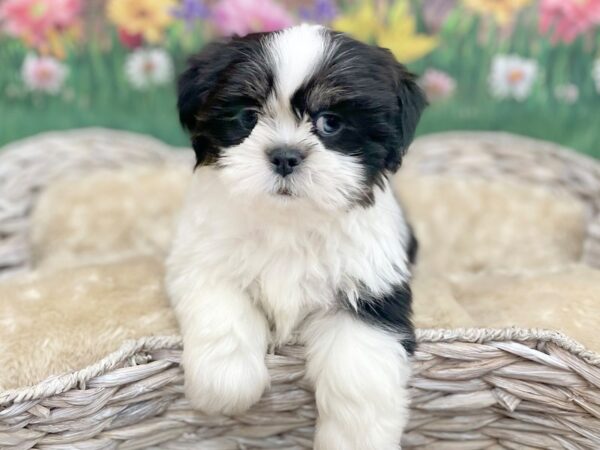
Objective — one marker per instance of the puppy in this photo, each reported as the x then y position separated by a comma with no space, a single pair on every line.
291,230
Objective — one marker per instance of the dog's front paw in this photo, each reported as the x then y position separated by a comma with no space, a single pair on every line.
224,384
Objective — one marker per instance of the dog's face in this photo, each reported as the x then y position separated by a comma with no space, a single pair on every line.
300,115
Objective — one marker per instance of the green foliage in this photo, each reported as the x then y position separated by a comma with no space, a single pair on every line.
98,94
466,51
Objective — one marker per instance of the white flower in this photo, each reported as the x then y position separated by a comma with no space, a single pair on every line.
43,73
512,76
566,93
148,67
596,75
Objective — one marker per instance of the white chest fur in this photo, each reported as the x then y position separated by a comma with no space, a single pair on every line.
290,261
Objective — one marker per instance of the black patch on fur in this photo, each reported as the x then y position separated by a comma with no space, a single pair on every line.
413,246
378,100
225,77
392,312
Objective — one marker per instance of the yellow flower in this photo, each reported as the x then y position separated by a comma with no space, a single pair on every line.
362,24
148,18
401,36
501,10
398,32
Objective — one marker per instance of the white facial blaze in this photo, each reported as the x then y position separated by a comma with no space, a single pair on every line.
295,54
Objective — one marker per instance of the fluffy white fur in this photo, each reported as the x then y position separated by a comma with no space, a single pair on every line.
360,374
249,266
243,274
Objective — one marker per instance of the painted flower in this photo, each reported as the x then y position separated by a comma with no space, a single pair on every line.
501,10
396,31
39,23
567,19
130,41
363,23
43,74
191,11
321,11
435,12
512,76
437,85
401,37
566,93
147,18
145,68
596,75
240,17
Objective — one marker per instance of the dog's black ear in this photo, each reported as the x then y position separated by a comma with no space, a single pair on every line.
411,103
200,78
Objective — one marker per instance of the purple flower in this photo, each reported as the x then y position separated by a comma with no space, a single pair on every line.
191,11
322,11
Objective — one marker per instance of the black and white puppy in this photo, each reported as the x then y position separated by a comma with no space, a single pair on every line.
291,228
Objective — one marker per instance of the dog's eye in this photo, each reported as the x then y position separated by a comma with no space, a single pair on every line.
328,124
247,117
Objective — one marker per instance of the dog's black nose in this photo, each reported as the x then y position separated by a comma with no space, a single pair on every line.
285,160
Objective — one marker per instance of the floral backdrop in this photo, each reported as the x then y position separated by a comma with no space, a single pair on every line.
525,66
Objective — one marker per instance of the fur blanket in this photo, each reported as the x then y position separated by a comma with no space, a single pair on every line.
493,254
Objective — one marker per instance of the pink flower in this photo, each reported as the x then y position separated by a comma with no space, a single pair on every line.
34,20
568,18
64,13
43,73
435,13
437,85
240,17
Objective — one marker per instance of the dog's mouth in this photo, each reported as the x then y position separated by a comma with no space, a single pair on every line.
284,191
284,188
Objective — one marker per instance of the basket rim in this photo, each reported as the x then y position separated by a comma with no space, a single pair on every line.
92,132
61,383
549,146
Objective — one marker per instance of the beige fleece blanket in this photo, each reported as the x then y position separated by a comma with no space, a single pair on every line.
492,254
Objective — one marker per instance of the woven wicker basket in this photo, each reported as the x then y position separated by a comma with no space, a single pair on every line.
472,389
